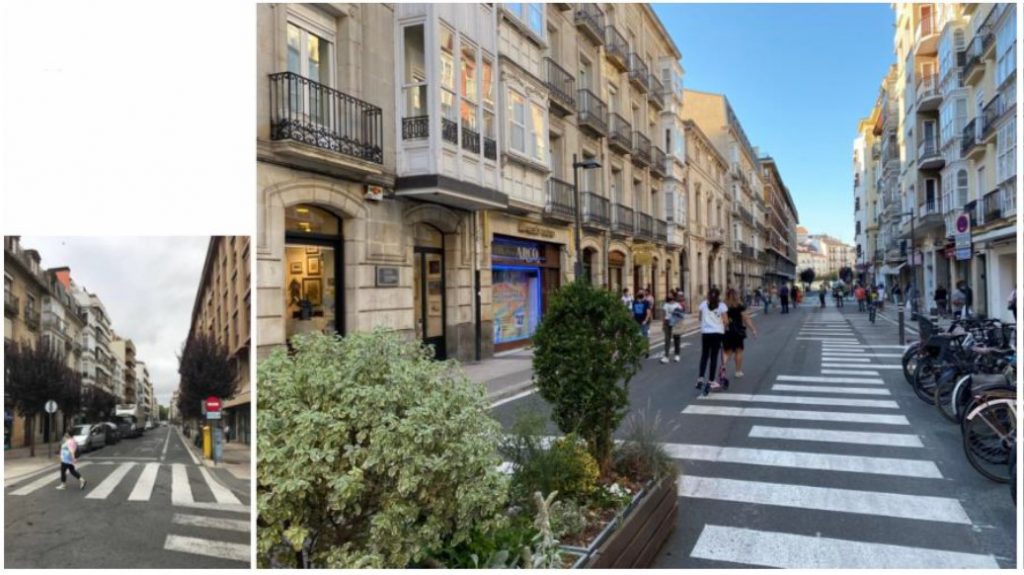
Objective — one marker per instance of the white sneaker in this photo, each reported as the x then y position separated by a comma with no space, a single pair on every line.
61,487
664,359
676,359
739,374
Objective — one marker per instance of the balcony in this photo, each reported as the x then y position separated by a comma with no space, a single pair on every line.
644,227
470,140
929,156
31,318
449,131
55,323
992,207
926,37
715,235
974,58
641,149
594,210
746,216
659,162
616,49
661,231
929,97
590,22
638,73
623,220
990,116
561,88
11,305
969,140
930,216
592,112
490,148
656,93
415,128
746,251
560,203
310,113
620,134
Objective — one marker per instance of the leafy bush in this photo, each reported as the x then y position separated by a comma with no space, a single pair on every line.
586,349
642,454
567,518
540,465
371,453
500,547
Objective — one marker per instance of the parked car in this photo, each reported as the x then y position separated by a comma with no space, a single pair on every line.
89,436
113,433
149,424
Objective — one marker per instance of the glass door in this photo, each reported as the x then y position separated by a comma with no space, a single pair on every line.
308,58
428,298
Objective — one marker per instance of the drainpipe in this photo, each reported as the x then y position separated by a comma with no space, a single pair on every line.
476,288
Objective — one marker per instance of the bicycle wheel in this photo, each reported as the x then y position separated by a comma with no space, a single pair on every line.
926,377
1013,473
910,361
943,394
990,430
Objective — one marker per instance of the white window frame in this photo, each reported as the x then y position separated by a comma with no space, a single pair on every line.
406,86
1006,155
522,12
514,125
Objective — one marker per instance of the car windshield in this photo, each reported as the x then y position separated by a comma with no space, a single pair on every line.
80,430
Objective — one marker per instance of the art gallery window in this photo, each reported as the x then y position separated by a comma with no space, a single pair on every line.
312,271
524,274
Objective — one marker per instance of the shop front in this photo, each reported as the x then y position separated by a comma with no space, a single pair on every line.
312,259
524,274
616,263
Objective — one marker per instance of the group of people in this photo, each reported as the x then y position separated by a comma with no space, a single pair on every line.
785,295
723,327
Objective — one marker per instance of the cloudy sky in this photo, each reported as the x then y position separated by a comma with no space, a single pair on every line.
148,286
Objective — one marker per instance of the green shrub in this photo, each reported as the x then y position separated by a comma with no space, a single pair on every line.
586,349
642,455
546,466
371,453
567,518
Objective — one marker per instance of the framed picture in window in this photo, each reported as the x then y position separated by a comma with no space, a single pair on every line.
312,290
296,267
311,250
313,266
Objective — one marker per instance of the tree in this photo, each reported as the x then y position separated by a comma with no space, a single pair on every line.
97,404
372,454
35,375
586,350
163,409
807,277
205,371
846,274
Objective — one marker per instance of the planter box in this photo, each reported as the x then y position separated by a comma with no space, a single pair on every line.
645,526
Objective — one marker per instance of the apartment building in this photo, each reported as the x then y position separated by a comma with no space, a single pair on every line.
124,352
707,204
946,123
781,218
144,390
866,177
221,311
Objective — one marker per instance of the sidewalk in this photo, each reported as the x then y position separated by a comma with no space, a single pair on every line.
18,464
236,458
510,373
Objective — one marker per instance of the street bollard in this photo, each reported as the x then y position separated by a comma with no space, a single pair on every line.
903,336
207,444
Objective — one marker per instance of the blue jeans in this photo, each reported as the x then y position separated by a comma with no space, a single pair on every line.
645,330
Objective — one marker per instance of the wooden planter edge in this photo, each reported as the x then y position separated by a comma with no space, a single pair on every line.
636,542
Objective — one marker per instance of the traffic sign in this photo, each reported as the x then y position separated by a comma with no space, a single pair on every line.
51,406
212,405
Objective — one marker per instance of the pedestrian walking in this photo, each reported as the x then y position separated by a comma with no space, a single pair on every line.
941,297
784,298
958,301
968,299
821,294
736,332
68,459
673,317
627,300
881,297
859,294
642,314
714,317
797,295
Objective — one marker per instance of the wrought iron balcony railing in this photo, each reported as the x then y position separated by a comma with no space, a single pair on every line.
309,112
490,148
11,304
969,137
592,112
616,49
659,162
450,131
644,226
595,209
620,134
470,140
590,21
992,206
989,115
656,91
561,84
560,203
975,52
641,148
31,317
415,127
661,231
623,221
638,71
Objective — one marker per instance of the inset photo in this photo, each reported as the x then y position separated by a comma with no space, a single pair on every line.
127,425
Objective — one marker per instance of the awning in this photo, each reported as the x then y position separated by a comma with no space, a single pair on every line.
892,270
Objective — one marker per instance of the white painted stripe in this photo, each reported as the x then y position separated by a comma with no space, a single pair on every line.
791,551
826,356
795,414
801,400
219,549
848,372
104,489
822,379
211,522
144,486
520,395
919,507
185,446
181,491
803,460
820,339
833,436
167,442
869,366
45,480
844,353
217,507
220,493
831,389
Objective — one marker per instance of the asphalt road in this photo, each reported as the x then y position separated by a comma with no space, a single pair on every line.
146,504
788,469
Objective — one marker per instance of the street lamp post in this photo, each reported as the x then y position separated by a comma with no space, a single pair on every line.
586,164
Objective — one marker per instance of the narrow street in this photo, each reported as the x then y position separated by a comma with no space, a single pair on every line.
148,503
820,457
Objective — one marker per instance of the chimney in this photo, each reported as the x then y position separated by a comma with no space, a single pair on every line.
63,276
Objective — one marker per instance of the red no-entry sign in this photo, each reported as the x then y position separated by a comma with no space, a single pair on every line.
212,404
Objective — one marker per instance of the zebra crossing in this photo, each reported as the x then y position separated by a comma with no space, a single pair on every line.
203,501
815,451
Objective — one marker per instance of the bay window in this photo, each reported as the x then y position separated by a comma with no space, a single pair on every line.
538,149
447,74
1006,161
532,15
527,128
414,79
487,96
1006,44
469,87
517,122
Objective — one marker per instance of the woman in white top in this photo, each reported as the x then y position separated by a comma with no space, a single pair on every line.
714,318
673,318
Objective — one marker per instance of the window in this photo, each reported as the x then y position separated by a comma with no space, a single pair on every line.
1006,164
487,96
980,183
308,54
414,76
468,86
538,149
1006,44
447,74
961,188
617,187
517,122
530,14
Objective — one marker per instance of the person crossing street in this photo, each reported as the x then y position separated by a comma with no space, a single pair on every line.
714,318
673,312
68,459
642,313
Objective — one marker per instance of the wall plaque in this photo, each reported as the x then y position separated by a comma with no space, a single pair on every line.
387,276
